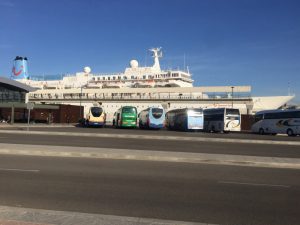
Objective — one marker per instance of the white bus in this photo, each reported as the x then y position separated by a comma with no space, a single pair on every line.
277,122
152,118
222,120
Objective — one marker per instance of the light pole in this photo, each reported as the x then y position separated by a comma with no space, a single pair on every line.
80,102
232,97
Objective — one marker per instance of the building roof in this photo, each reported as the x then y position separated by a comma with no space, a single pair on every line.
15,85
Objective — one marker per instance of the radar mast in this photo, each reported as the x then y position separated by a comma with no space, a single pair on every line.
156,54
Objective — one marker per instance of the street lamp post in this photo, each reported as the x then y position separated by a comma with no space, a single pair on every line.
232,97
80,102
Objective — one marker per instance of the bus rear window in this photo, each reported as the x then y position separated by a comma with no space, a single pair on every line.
96,111
129,110
157,112
232,112
195,112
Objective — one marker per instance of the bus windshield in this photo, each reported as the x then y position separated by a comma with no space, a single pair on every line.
96,111
129,110
157,112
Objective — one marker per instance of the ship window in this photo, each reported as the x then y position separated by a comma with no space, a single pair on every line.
132,77
108,78
125,78
114,78
144,77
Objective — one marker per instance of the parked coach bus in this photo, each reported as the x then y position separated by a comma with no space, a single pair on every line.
152,118
126,116
277,122
222,120
95,117
185,119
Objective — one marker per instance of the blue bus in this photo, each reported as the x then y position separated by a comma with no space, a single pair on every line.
152,118
185,119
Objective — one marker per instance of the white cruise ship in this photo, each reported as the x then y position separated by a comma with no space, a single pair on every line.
132,77
144,87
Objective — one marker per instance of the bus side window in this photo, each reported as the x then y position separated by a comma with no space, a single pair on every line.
258,117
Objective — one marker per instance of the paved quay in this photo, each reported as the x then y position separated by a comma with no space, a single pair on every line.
294,142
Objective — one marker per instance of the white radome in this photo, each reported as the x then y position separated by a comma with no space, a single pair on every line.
134,63
87,69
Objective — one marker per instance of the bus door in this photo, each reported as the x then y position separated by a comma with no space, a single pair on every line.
118,120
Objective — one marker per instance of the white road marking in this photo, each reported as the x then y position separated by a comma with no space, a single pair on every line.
19,170
254,184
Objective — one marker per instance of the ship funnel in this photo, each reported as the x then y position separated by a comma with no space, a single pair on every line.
20,69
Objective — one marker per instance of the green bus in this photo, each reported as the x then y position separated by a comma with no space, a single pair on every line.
126,116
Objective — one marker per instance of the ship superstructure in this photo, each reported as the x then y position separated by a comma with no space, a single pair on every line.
133,77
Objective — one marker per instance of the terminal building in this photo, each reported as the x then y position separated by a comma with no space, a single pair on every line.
14,97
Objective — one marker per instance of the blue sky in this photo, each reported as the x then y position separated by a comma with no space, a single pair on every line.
225,42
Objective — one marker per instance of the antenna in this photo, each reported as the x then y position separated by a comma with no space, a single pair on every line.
146,58
183,61
289,89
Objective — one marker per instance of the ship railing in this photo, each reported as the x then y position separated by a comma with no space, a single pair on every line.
160,96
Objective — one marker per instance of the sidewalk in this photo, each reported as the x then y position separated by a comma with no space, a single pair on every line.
33,125
25,216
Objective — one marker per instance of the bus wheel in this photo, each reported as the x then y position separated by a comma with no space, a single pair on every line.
290,132
261,131
213,129
141,125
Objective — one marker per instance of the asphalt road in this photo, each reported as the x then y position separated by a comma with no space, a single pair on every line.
163,132
156,145
174,191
